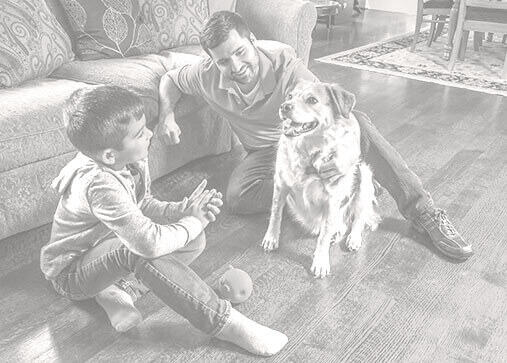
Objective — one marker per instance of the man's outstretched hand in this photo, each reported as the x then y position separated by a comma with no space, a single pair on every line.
169,130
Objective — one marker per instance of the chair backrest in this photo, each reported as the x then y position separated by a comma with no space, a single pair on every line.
435,7
484,15
487,4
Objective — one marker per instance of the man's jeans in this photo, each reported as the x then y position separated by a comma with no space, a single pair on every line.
250,187
168,277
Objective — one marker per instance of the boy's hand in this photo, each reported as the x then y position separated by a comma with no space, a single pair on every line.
213,206
204,204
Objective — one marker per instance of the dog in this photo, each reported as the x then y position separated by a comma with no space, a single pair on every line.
319,128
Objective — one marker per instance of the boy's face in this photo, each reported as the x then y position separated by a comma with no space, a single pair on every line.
135,144
237,59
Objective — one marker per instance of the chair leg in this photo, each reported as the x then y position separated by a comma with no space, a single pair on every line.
504,74
432,30
490,37
458,35
463,45
478,36
504,39
418,24
440,28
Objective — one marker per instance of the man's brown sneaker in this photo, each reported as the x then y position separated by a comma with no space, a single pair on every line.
443,235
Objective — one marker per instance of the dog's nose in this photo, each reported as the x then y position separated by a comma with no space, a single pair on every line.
286,107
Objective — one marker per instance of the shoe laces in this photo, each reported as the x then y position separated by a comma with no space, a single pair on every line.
445,224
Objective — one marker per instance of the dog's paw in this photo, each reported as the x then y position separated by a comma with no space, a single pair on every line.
269,243
320,265
353,243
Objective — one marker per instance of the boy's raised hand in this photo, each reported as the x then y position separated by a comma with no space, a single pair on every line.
214,205
204,204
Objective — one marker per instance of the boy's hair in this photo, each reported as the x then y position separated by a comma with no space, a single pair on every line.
217,28
98,117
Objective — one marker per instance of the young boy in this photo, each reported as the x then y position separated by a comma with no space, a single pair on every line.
105,226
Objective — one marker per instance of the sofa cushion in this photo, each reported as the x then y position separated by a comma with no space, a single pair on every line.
139,74
31,124
176,22
186,49
108,28
32,42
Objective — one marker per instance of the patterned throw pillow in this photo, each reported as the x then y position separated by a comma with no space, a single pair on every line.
32,42
219,5
175,23
108,28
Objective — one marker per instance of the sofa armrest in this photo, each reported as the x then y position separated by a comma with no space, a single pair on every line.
287,21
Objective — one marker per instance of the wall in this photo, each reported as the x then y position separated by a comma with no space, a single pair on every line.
397,6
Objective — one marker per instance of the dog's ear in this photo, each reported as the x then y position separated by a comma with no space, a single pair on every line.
342,101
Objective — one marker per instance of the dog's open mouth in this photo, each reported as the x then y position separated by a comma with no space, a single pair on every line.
297,128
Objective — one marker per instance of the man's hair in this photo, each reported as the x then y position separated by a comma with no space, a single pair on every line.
98,117
217,28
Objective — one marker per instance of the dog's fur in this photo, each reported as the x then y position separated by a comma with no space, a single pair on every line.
319,129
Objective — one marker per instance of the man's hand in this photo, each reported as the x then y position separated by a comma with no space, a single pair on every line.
169,130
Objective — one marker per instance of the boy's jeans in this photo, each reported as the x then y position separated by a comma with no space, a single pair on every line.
250,187
168,277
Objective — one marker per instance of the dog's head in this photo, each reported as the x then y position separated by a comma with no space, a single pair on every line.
311,106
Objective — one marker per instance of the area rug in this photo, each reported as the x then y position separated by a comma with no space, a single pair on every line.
480,71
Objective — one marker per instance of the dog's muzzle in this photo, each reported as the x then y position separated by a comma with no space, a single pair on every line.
296,128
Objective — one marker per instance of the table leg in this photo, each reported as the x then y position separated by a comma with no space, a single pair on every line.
453,19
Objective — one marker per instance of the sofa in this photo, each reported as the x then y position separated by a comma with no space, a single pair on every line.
33,142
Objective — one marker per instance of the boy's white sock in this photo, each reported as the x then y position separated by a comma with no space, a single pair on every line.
254,337
119,307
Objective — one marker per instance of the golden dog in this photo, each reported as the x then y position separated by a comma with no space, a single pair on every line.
318,127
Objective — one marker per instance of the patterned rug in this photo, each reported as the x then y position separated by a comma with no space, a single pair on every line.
480,71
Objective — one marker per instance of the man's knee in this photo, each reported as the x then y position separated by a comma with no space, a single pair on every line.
233,198
235,201
245,203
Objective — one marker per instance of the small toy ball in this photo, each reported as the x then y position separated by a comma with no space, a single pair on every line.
235,285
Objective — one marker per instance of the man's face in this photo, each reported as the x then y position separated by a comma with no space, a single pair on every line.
136,143
237,59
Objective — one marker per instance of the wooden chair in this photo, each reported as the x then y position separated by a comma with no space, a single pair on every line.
478,16
439,11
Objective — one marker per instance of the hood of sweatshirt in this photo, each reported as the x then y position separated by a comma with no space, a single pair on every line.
79,165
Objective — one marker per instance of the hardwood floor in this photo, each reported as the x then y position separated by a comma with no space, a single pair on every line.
397,299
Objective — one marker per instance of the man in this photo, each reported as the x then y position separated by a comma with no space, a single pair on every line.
246,81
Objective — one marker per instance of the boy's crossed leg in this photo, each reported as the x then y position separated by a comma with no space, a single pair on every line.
177,285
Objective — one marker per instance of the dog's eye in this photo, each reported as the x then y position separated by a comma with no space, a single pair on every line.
311,100
289,96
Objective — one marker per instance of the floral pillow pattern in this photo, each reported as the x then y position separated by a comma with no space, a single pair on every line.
32,42
108,28
175,23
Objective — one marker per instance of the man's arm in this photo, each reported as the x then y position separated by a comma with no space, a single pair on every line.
169,95
173,84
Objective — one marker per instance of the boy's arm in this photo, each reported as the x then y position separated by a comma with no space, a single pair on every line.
158,209
153,207
113,206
